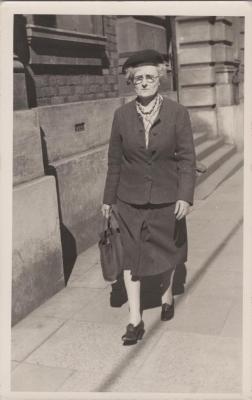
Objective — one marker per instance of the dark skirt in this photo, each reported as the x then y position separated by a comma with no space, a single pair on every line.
153,240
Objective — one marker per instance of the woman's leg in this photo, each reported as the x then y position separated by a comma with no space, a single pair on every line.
167,296
133,292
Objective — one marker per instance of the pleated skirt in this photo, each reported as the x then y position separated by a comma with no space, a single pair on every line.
153,240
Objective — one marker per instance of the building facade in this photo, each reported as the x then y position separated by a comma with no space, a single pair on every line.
67,84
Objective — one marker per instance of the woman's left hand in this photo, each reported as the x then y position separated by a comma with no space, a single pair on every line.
181,209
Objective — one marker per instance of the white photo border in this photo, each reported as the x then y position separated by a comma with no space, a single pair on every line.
197,8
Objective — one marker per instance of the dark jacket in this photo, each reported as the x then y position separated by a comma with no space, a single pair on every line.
163,173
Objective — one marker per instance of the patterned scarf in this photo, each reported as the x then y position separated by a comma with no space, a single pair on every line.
149,117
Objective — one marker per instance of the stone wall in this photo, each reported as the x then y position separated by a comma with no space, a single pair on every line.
37,267
209,58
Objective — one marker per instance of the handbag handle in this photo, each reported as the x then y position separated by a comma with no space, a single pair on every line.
107,222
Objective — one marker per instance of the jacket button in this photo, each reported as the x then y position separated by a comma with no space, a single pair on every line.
154,133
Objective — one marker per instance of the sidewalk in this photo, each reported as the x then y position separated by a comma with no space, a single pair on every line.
73,341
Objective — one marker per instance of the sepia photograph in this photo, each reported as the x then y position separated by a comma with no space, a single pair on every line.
127,246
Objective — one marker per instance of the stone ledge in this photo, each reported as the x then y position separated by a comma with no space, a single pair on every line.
76,48
42,32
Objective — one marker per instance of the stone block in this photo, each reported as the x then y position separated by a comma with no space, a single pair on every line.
73,128
195,31
198,96
193,54
197,75
225,94
222,53
204,120
31,332
20,99
224,73
80,181
37,257
222,32
27,152
231,124
38,378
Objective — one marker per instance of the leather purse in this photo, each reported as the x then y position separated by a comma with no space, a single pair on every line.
111,251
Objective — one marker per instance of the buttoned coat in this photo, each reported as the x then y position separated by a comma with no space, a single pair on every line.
162,173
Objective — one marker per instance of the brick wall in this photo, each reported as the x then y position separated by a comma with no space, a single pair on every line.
79,86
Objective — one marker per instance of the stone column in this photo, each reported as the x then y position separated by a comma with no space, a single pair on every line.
226,62
229,66
197,78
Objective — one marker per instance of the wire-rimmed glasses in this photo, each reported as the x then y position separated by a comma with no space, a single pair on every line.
138,79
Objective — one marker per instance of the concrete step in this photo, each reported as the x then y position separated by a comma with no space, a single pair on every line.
214,160
224,171
207,147
199,137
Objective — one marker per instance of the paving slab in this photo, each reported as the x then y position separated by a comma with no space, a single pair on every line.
38,378
201,314
92,347
204,363
233,323
82,382
99,310
85,261
92,279
30,333
66,303
212,283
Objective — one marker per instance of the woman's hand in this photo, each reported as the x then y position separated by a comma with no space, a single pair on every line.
181,209
106,210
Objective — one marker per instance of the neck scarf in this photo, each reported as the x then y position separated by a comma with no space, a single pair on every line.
149,114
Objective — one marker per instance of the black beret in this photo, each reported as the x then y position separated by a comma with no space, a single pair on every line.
143,57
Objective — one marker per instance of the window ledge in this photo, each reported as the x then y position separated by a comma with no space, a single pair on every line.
63,47
43,32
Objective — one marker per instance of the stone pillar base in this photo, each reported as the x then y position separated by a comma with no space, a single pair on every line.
205,121
37,271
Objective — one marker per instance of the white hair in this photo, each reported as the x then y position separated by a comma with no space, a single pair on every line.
130,72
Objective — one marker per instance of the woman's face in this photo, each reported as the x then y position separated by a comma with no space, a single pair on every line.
146,81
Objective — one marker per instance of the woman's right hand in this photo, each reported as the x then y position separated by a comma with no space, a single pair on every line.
106,210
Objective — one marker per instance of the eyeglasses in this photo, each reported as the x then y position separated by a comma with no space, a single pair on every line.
139,79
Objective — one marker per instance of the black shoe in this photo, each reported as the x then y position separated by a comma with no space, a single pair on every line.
133,334
167,312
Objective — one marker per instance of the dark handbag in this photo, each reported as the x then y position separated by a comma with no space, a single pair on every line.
111,251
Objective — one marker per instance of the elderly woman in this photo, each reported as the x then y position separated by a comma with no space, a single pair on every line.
150,179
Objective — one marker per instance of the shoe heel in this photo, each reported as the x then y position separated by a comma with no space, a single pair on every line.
140,334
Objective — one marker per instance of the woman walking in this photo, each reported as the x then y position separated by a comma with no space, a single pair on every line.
150,179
